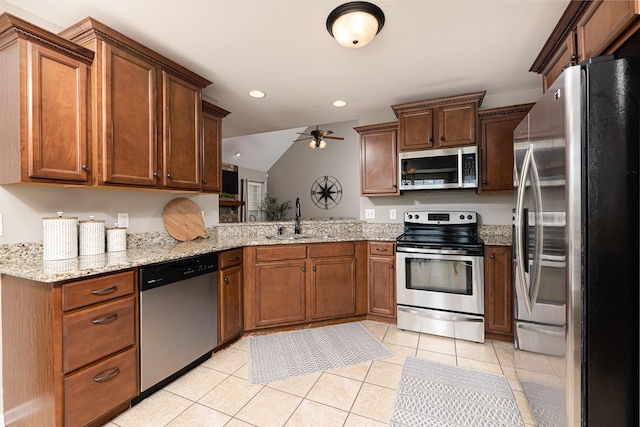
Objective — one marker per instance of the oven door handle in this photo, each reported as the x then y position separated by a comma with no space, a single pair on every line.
449,316
434,251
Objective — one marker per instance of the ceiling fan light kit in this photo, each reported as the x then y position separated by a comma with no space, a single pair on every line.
318,137
355,24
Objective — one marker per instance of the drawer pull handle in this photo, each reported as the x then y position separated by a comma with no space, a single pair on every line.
109,318
104,291
381,249
107,376
235,258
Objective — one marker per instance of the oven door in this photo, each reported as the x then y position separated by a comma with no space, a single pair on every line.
440,281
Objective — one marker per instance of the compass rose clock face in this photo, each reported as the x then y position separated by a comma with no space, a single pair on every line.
326,192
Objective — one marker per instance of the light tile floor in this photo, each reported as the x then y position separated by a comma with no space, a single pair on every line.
217,393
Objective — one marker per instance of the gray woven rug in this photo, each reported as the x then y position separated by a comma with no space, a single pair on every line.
547,404
433,394
288,354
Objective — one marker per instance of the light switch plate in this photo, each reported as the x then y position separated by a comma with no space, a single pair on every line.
369,213
392,214
123,219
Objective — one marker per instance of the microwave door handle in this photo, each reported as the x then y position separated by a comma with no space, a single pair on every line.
459,167
520,269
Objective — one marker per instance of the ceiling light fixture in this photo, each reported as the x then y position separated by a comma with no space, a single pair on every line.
317,143
257,94
339,103
355,24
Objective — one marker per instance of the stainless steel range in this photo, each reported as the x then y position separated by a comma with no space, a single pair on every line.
440,275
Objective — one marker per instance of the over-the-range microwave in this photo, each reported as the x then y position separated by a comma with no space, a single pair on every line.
445,168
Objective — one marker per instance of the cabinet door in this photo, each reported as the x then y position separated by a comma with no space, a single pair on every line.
279,293
415,130
129,128
57,135
565,56
333,287
379,164
601,24
182,112
230,303
457,125
382,299
498,303
496,152
211,154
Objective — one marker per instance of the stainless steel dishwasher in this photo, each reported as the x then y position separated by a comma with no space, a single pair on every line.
178,318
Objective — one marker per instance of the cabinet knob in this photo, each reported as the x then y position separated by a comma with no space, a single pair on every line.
574,57
155,174
85,167
391,266
169,176
314,269
304,268
485,182
226,280
204,181
492,256
442,138
430,139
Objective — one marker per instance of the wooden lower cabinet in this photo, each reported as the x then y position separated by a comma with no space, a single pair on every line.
73,353
498,293
382,279
230,302
293,284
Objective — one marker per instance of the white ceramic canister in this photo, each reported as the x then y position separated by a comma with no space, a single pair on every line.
59,237
91,236
116,239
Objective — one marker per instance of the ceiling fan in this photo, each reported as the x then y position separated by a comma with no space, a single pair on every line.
317,138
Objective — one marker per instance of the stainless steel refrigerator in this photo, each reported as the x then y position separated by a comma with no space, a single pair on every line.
575,246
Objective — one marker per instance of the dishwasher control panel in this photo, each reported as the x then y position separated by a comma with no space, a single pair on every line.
152,276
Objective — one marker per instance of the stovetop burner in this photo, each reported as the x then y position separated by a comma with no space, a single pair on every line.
440,230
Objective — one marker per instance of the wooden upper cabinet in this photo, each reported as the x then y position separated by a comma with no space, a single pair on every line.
212,116
496,146
585,30
378,160
182,121
438,123
44,107
126,90
147,118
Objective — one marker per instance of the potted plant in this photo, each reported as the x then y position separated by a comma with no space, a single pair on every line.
272,210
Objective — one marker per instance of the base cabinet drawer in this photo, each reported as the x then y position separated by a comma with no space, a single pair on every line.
97,332
94,391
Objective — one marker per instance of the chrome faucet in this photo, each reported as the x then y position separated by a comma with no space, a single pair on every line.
297,227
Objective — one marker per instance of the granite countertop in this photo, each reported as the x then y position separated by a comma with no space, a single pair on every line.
25,259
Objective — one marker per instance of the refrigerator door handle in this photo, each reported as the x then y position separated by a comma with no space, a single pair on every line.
520,270
538,224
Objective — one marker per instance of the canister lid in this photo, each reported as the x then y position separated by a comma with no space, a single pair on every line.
60,216
91,219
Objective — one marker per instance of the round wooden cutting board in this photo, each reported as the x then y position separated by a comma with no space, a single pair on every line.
183,220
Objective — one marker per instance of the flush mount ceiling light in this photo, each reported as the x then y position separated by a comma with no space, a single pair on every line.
339,103
257,94
355,24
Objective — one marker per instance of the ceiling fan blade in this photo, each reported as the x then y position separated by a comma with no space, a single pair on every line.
302,133
303,139
339,138
326,132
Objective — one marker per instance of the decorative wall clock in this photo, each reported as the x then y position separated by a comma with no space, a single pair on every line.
326,192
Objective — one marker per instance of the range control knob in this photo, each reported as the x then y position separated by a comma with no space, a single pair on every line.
417,216
461,216
469,217
410,216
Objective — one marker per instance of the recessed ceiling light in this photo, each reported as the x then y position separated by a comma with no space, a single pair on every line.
257,94
236,154
339,103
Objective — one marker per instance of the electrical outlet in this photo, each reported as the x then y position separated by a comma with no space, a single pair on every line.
123,219
369,213
392,214
1,230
